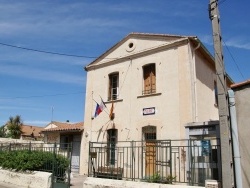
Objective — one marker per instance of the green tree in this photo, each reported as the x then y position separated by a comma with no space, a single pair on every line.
14,126
2,132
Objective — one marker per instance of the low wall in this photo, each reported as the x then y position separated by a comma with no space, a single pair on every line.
11,140
104,183
31,180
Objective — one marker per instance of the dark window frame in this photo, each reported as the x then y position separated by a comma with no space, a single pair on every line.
149,79
113,91
112,137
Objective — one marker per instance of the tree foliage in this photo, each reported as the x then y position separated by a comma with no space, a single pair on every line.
14,127
3,132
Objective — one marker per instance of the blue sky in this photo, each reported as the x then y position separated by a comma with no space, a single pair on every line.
31,83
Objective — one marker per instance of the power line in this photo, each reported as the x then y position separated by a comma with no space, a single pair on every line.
221,1
47,52
233,59
37,96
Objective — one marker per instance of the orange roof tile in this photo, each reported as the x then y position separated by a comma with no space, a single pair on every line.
27,130
64,126
240,84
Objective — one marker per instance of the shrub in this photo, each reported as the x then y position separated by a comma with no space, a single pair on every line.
26,160
157,178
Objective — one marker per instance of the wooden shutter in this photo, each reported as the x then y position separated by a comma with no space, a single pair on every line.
153,78
149,79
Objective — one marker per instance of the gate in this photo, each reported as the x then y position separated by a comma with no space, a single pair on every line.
60,174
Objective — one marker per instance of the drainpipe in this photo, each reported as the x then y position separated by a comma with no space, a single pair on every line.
195,117
235,140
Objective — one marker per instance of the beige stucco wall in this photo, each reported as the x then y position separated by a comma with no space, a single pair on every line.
242,104
52,137
207,108
174,100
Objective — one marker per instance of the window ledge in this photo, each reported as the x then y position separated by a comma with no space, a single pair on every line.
114,101
149,95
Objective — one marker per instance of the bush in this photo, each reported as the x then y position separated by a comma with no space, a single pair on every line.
157,178
26,160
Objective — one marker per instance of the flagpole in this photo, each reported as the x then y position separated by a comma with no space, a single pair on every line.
91,115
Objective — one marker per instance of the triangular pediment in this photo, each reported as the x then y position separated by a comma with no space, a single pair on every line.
50,126
133,44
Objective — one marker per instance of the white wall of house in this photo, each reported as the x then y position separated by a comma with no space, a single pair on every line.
184,91
242,103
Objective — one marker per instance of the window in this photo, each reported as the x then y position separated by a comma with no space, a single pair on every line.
111,145
215,93
149,133
65,141
149,78
113,86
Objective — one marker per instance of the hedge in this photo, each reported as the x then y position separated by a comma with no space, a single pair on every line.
26,160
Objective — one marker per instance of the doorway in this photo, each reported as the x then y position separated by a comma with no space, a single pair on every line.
149,136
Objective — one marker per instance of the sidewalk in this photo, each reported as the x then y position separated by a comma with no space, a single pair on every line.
77,181
8,185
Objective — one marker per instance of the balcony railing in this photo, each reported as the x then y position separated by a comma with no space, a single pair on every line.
149,91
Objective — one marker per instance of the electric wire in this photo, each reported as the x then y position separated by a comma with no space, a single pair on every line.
236,64
38,96
47,52
221,1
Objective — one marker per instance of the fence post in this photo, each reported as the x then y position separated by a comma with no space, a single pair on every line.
69,155
53,165
30,146
170,164
133,168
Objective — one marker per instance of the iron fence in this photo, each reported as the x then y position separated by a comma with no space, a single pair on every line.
189,162
53,164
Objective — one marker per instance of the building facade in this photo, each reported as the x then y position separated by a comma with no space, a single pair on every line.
65,134
153,85
242,105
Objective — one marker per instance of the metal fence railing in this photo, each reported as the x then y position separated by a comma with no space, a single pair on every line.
56,156
164,161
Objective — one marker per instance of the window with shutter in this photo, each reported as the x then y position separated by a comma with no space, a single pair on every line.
149,77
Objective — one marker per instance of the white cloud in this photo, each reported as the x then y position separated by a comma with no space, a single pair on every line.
35,73
36,122
238,43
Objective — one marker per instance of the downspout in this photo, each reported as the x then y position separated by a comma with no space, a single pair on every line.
193,80
235,140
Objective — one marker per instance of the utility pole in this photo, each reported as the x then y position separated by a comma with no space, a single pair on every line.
225,135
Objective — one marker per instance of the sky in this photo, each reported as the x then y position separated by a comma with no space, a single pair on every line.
45,45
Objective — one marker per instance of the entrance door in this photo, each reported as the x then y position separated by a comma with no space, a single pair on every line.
75,160
150,154
150,158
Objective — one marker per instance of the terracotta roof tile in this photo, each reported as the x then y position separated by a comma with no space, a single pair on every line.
27,130
240,84
64,126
